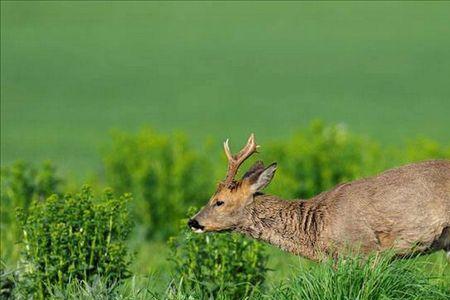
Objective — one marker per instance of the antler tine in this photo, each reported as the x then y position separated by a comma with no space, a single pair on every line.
248,150
234,161
226,147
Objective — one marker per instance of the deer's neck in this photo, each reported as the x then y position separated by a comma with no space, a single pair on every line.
293,226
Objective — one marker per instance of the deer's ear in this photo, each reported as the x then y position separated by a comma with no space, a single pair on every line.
257,168
259,180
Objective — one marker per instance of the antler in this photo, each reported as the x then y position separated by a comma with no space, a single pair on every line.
234,161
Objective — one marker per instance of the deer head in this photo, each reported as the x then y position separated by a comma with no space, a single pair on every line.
225,208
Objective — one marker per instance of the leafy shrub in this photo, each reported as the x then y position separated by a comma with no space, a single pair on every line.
420,149
376,277
74,238
164,175
320,157
216,264
21,184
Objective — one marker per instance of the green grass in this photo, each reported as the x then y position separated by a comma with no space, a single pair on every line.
378,277
425,277
152,258
71,71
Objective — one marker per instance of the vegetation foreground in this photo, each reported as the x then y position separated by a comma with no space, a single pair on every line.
378,277
60,242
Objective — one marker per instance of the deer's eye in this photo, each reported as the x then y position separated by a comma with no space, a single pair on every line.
219,203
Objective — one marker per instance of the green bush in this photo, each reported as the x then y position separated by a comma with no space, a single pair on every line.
164,175
319,157
210,265
420,149
74,238
21,184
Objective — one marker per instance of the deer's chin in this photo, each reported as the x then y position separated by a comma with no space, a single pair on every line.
198,230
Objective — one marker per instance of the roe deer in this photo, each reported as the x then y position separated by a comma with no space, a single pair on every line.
406,209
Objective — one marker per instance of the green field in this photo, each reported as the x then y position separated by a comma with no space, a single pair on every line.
71,71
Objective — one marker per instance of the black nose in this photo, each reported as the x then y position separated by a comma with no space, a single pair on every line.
193,224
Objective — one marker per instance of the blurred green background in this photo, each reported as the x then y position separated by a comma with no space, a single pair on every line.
71,71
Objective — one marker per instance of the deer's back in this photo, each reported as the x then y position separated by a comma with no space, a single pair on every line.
396,209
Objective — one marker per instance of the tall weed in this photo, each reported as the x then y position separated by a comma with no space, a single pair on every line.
75,237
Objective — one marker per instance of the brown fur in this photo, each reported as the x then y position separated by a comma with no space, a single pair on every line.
405,209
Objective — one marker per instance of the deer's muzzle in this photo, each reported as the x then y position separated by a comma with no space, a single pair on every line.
195,226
